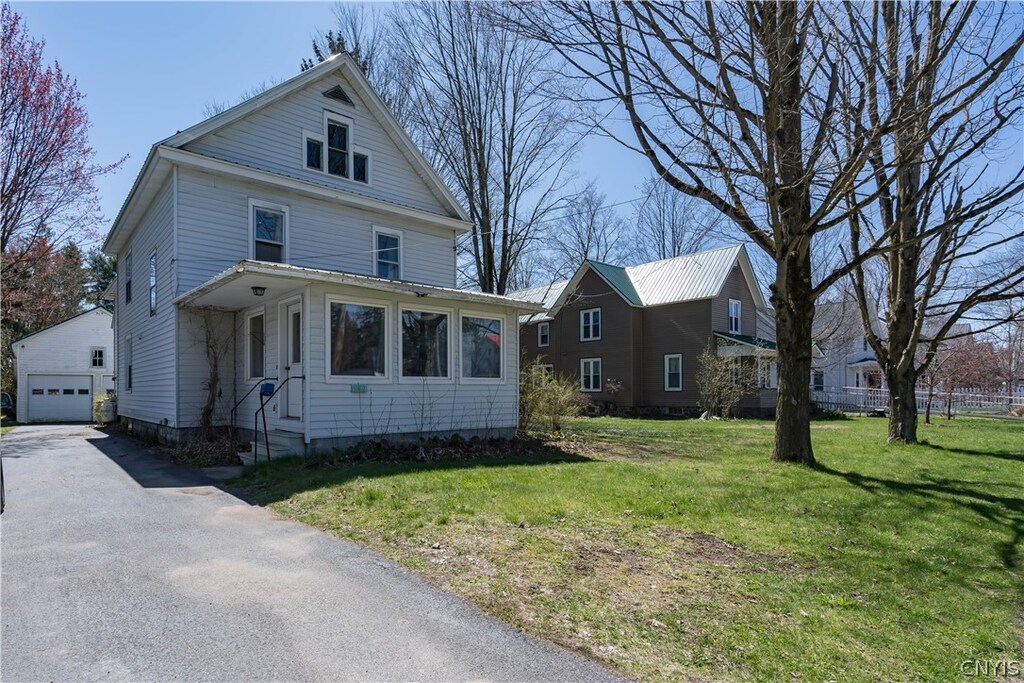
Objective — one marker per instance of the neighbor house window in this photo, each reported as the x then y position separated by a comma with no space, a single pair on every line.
361,166
767,373
818,380
543,334
269,227
590,374
481,347
313,151
128,278
128,363
337,148
424,344
152,283
358,342
735,308
674,372
387,253
257,346
97,357
590,324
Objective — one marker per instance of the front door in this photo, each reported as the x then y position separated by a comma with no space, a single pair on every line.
293,361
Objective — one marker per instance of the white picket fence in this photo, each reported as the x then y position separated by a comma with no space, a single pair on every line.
862,400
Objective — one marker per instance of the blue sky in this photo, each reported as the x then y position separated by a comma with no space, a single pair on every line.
147,69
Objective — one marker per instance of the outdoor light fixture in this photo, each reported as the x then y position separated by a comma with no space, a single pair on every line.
259,291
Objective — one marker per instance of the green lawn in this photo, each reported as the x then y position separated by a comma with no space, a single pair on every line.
676,549
6,428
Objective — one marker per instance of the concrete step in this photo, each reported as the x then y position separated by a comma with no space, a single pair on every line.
282,445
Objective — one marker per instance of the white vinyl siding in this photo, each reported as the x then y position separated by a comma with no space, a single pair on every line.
319,234
153,337
268,139
590,375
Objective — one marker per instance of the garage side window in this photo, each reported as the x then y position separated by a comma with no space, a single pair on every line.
98,360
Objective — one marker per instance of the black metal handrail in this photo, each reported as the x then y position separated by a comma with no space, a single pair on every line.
264,400
234,408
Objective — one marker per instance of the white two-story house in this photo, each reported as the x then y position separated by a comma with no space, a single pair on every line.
299,246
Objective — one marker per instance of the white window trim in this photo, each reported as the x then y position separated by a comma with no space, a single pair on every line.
667,357
450,378
548,367
249,315
388,341
739,316
347,121
601,383
92,351
400,234
319,137
600,324
282,208
504,330
369,164
540,326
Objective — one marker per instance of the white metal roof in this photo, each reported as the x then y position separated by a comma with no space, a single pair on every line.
545,295
684,278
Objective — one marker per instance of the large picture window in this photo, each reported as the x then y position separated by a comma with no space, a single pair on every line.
358,340
590,374
481,347
424,344
269,225
257,345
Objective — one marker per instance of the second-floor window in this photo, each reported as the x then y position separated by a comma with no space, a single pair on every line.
543,334
735,309
152,283
387,253
590,324
128,278
337,148
98,360
269,230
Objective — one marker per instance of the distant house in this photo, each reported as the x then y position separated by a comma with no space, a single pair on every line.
631,336
847,359
63,367
300,242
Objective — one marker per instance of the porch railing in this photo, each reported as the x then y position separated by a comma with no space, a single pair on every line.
261,411
864,400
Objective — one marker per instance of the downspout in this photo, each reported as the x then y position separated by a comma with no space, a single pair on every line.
306,366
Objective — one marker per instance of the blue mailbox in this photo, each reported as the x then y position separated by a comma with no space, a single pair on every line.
267,389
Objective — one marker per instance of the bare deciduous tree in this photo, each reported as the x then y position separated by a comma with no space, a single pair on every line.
670,223
948,75
735,104
483,112
588,229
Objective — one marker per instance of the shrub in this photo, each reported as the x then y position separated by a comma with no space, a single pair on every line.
548,397
723,381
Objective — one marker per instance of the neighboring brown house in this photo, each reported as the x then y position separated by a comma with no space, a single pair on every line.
643,327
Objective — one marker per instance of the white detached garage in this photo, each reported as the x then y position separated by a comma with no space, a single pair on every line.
63,367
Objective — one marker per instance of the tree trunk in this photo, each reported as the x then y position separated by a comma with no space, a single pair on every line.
794,314
902,405
928,407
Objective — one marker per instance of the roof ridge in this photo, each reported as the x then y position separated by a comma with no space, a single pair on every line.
734,245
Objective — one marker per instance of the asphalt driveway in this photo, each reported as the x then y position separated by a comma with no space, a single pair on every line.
118,565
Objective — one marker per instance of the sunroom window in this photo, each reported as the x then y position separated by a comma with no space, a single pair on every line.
424,344
481,347
358,340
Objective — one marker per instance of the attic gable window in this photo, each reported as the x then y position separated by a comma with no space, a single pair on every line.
336,93
337,148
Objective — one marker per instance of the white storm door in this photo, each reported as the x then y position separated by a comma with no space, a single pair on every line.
293,361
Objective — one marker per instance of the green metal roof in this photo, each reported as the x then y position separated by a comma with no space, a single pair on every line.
618,278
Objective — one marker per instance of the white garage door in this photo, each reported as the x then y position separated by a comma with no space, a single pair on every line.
59,398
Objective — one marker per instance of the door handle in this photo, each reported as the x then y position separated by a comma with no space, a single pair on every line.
287,367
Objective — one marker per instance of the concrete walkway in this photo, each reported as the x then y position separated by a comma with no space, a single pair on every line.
119,566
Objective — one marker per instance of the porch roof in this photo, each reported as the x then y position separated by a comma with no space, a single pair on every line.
232,289
755,346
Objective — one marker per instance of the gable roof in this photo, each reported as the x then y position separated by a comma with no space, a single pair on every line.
690,277
156,167
54,326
